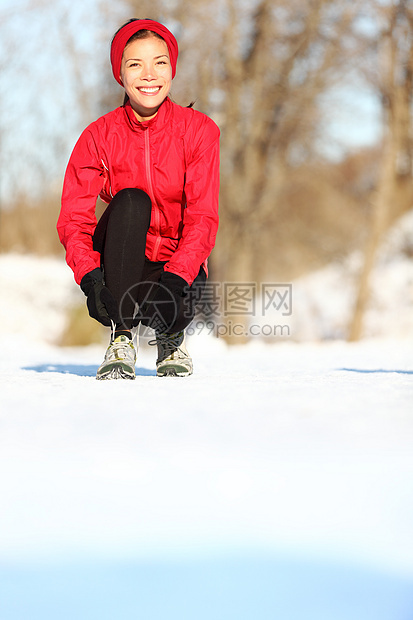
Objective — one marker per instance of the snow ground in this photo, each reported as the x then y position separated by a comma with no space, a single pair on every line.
298,455
276,482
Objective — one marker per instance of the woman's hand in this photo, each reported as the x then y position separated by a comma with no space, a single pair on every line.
162,310
100,301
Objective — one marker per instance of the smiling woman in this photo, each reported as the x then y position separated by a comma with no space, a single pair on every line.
156,164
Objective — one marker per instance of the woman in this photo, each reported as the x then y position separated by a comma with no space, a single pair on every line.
157,165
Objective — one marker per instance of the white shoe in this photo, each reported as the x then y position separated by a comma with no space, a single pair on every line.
119,362
173,357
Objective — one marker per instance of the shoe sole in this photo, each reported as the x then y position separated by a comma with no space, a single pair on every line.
173,371
116,371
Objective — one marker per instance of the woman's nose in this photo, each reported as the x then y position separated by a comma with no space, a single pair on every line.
148,73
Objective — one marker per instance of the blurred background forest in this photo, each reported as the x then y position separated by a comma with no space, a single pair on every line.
313,99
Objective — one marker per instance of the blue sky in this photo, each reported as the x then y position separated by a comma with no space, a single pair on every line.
40,116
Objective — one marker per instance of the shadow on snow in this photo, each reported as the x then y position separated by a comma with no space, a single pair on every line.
81,370
377,370
245,587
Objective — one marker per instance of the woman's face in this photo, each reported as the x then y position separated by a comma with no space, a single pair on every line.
146,74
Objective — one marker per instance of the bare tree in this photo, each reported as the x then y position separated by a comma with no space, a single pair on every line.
394,83
50,82
259,68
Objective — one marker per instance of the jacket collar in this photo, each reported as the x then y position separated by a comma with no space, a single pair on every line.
157,123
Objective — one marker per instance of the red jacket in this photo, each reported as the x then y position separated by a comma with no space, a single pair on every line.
174,157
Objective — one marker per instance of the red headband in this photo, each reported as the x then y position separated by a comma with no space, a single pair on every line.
125,33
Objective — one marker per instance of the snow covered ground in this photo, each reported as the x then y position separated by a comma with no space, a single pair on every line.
295,460
276,482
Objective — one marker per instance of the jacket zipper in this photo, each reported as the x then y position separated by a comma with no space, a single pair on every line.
155,207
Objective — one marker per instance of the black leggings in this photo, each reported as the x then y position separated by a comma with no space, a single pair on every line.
120,237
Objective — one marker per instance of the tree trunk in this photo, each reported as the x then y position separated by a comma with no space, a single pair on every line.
394,193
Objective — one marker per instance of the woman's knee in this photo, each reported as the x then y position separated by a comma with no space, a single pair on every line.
133,195
131,201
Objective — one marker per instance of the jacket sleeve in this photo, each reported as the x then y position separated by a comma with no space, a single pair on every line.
200,219
77,220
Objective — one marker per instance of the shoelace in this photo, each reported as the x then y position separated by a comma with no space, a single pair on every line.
168,343
119,350
124,345
112,332
134,332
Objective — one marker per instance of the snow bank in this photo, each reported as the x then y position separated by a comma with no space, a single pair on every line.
35,296
37,292
324,300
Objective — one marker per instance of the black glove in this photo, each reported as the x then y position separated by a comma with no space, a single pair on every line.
161,311
100,301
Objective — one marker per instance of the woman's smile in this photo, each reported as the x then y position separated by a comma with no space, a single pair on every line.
149,90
